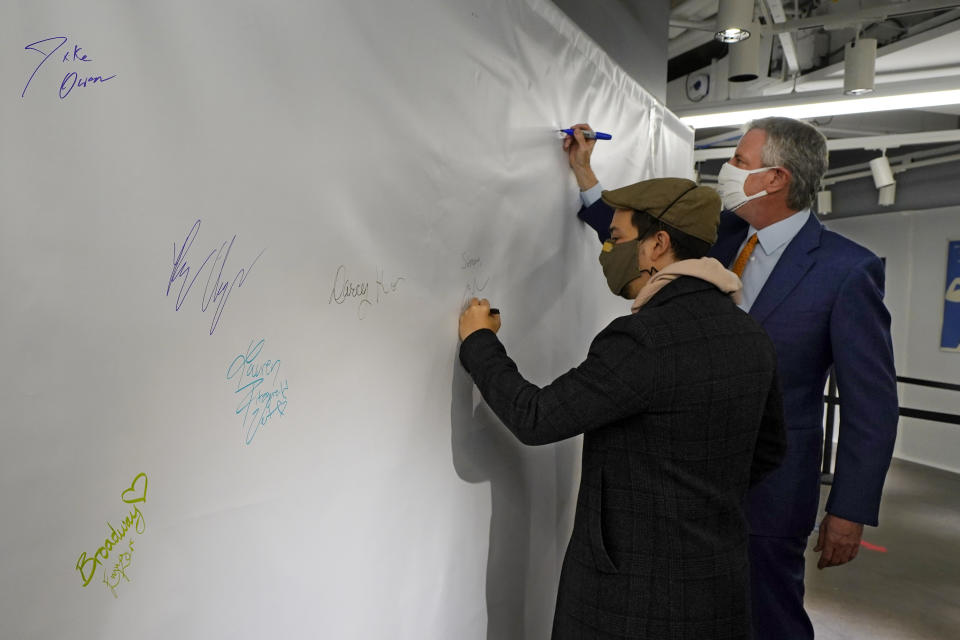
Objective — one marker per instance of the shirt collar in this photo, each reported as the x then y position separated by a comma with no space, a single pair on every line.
776,235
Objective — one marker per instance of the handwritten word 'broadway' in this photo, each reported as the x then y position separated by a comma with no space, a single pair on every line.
217,290
257,407
88,565
73,78
345,289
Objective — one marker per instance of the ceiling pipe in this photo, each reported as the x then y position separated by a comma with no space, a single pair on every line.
831,76
688,41
875,14
902,166
689,8
894,140
680,23
932,23
774,14
890,141
695,15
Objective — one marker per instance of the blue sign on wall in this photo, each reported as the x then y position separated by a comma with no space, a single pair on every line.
950,335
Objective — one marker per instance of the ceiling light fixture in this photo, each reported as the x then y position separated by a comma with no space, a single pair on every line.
805,105
859,66
745,58
733,20
882,174
883,180
888,195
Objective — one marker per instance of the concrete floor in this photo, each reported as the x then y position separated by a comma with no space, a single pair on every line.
909,592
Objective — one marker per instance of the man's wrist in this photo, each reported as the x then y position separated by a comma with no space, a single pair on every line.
586,179
591,195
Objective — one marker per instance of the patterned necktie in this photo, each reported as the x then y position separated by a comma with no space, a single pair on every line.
741,262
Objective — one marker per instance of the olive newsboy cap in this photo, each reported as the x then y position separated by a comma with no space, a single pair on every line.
677,202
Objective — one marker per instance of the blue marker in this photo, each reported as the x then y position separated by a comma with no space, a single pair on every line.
590,135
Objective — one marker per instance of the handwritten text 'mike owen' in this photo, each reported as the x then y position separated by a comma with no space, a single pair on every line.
72,79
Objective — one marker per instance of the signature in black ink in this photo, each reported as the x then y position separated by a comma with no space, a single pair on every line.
257,407
217,290
72,79
477,283
470,261
344,289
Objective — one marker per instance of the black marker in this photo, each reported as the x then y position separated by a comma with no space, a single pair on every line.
494,311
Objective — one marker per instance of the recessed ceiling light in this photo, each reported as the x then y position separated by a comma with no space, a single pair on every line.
733,20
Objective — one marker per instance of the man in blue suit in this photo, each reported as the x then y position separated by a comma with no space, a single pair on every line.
820,298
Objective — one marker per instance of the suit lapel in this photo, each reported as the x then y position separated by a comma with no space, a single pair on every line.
793,264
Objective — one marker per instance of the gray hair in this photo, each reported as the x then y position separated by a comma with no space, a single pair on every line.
799,148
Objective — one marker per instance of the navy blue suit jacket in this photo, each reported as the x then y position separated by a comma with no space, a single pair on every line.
821,306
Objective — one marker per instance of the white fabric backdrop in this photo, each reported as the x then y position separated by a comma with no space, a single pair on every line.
235,240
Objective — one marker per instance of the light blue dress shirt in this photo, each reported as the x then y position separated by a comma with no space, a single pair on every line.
771,243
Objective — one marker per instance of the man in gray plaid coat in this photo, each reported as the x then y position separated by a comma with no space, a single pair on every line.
681,413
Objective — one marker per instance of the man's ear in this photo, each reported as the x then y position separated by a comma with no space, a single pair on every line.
777,179
662,246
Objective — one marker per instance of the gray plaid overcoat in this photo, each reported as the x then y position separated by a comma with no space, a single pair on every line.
681,412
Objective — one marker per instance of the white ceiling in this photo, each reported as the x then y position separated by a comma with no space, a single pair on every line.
916,47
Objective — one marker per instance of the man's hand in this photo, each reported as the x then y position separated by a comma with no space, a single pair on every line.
839,541
477,316
578,151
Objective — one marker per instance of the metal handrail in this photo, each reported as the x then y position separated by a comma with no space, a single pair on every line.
832,400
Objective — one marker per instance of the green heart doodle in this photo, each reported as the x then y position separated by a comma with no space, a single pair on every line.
135,494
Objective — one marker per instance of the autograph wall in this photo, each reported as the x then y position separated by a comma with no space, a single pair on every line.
235,241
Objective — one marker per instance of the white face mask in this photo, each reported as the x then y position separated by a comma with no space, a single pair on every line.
730,186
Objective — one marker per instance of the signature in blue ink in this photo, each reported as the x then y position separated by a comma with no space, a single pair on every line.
344,289
257,406
72,79
217,290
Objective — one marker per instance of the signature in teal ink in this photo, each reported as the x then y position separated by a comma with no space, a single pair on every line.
251,372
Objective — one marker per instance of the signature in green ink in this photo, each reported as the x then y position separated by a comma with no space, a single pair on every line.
87,565
119,570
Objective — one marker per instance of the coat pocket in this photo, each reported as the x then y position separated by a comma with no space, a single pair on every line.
601,558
